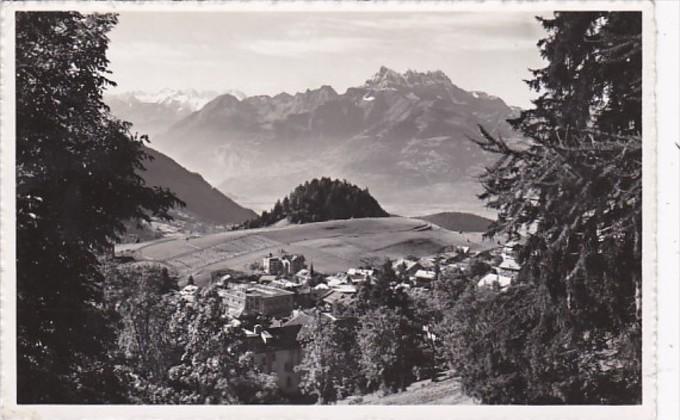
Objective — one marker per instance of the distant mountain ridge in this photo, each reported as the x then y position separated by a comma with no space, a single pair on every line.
459,222
405,135
203,202
154,112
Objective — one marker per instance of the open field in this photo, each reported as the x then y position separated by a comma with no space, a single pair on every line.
446,391
331,246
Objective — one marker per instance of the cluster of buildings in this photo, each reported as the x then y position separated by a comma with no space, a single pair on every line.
504,273
272,306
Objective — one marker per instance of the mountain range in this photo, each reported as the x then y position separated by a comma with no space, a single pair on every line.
153,112
405,136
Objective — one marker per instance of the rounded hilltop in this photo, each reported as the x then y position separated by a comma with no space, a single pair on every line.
320,200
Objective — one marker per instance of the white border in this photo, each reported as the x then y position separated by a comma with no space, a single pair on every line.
7,290
668,100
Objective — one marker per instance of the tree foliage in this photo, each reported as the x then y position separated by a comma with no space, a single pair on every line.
76,184
175,349
575,191
389,348
329,369
320,200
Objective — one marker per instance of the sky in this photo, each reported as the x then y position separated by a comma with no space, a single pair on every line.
272,52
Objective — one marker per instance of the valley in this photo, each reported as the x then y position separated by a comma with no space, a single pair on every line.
404,136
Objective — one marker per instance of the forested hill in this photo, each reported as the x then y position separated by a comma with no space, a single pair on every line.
320,200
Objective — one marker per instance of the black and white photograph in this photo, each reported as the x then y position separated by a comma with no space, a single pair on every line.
337,207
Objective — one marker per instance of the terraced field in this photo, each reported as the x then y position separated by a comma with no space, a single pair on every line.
332,246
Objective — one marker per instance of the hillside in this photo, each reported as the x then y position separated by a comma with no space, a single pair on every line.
459,222
404,135
446,391
331,246
321,200
203,202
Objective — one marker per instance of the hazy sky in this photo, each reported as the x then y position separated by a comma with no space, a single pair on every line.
267,53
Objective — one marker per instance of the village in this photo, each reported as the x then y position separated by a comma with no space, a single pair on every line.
283,292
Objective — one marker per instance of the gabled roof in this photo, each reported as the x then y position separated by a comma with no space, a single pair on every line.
300,318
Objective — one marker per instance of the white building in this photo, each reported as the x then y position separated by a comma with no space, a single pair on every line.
494,278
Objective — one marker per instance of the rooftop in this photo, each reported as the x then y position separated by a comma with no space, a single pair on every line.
264,291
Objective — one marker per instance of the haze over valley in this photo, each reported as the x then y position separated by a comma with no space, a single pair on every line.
404,136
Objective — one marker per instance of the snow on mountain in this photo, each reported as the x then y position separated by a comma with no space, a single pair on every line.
189,99
406,135
154,112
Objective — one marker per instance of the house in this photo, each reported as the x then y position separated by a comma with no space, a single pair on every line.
276,351
253,299
359,275
303,276
407,267
272,265
494,278
293,263
509,268
424,277
286,264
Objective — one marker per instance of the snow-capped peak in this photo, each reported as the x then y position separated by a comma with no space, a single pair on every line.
188,99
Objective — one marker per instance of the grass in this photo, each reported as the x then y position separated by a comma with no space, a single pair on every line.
331,246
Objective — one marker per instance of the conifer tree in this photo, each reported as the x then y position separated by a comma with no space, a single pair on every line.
575,189
77,183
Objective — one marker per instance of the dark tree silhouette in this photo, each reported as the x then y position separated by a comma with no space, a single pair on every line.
575,188
320,200
76,186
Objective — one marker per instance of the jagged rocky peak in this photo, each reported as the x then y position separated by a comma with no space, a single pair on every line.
387,78
427,78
